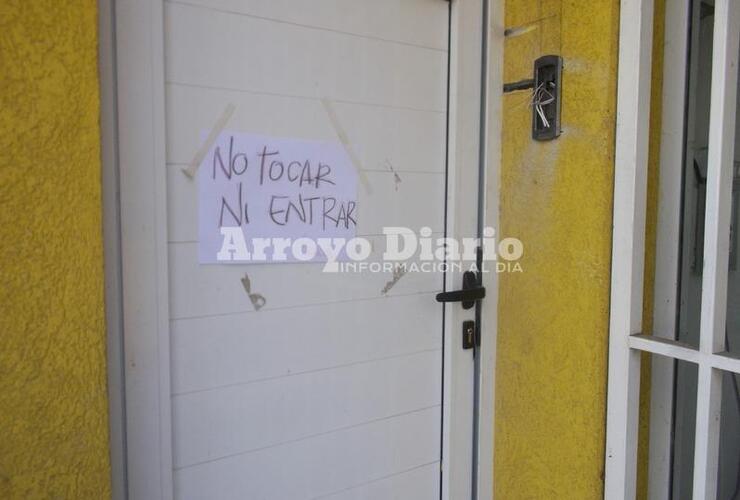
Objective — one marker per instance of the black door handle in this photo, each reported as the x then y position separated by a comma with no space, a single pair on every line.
470,293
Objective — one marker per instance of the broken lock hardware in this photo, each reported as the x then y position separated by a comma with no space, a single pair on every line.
468,334
546,86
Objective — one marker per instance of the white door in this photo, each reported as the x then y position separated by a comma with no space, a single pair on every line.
278,380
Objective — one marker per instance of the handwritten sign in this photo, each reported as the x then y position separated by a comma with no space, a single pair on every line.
274,188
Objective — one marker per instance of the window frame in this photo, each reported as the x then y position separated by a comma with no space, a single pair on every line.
627,340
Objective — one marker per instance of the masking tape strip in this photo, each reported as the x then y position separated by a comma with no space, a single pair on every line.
347,146
212,136
258,301
398,273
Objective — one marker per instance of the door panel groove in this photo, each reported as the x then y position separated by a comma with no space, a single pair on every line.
309,437
172,82
301,25
307,372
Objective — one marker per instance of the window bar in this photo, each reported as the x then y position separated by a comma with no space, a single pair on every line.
716,243
628,244
668,238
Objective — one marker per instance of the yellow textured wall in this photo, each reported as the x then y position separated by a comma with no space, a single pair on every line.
53,409
557,198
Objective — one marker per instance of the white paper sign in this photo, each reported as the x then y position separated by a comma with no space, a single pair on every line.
274,188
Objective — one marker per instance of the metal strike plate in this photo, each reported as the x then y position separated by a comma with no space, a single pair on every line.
468,334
